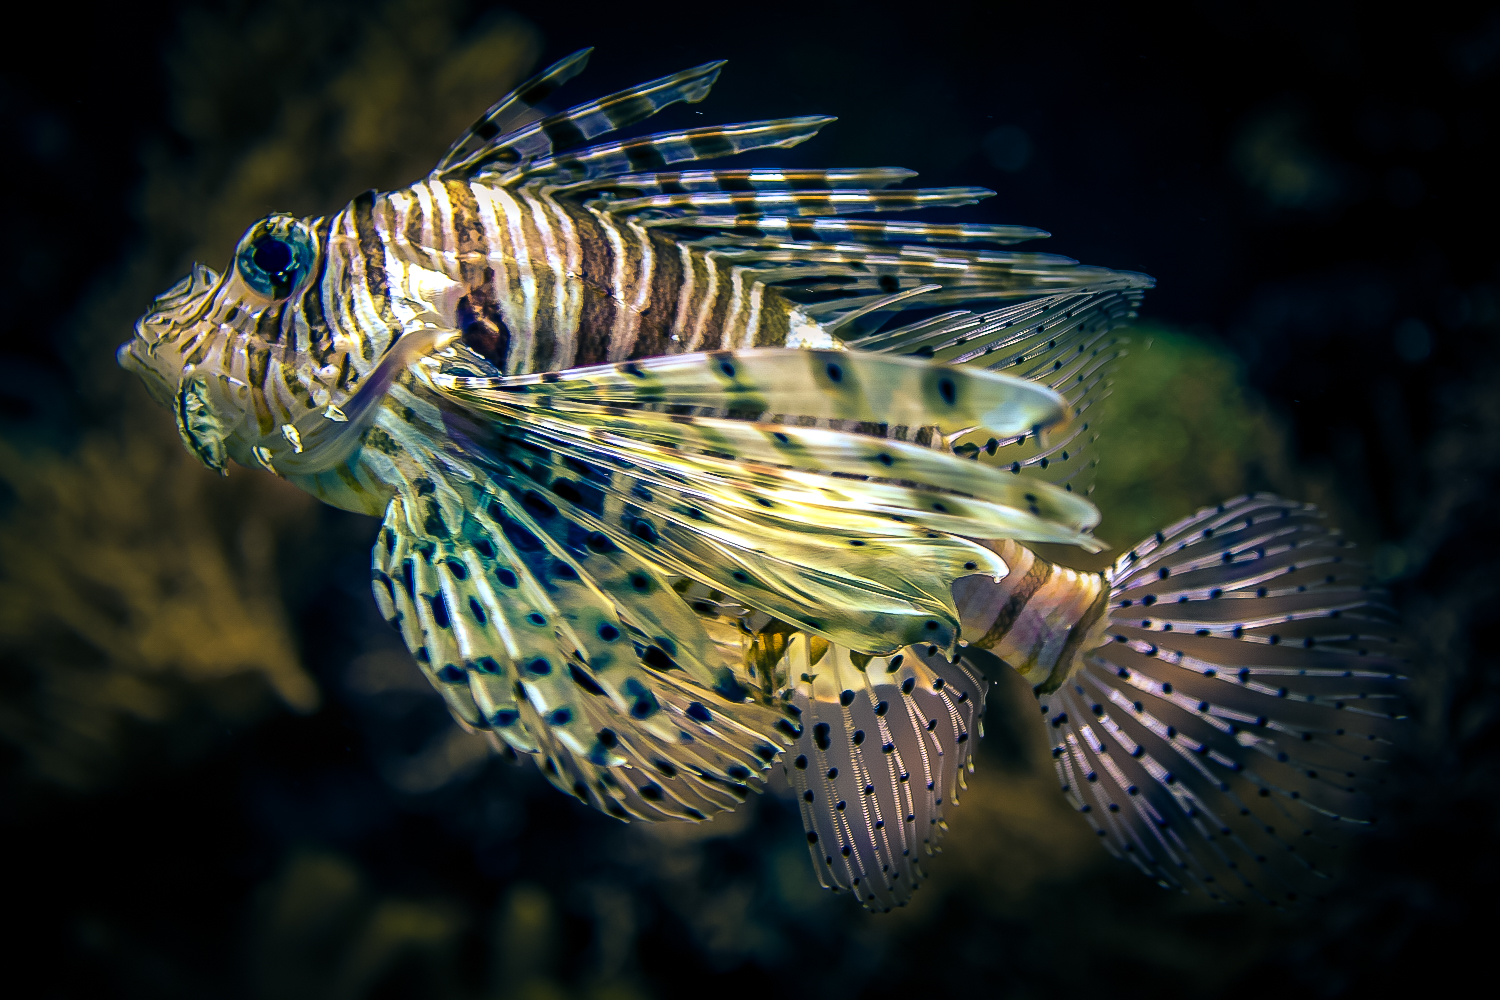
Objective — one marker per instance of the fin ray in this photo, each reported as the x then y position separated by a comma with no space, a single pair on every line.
573,173
572,128
1215,757
880,761
497,124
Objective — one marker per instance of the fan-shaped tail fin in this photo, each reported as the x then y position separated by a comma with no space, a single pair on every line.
1230,732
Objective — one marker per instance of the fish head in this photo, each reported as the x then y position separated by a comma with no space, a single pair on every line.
273,262
193,347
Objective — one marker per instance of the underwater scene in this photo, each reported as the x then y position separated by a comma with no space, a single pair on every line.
669,470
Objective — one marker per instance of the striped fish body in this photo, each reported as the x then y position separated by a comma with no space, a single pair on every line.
537,255
628,532
545,283
545,279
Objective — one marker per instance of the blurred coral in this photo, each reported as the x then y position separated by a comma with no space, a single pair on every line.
117,591
131,578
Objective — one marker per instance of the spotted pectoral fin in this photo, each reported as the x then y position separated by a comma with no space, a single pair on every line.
799,523
806,384
786,462
203,432
817,556
880,761
519,633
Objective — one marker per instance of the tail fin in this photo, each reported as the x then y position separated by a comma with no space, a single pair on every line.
1231,731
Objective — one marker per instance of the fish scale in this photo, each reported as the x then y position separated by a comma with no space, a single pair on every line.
659,570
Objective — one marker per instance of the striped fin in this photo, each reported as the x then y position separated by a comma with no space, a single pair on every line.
496,125
1065,342
654,151
805,545
1233,729
755,179
880,761
528,634
664,209
710,451
572,128
836,385
822,451
972,273
712,765
861,230
828,280
811,552
768,256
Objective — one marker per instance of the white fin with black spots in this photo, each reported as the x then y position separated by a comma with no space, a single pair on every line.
881,760
579,654
1233,730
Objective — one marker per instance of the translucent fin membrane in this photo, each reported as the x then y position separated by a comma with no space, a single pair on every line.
509,113
881,760
598,168
1064,341
572,128
800,523
831,385
1230,733
551,640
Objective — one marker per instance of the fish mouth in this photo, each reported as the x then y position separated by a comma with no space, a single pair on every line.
156,385
172,313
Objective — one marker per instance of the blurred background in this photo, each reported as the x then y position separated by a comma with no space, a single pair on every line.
220,776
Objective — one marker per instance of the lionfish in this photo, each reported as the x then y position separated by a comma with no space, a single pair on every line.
686,473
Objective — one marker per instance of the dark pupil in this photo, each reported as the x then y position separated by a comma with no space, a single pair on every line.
272,255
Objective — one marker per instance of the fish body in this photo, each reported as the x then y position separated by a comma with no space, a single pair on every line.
683,473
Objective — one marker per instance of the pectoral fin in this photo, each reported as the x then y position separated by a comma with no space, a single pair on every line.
202,431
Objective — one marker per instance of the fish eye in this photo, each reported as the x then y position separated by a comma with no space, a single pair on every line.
272,256
275,255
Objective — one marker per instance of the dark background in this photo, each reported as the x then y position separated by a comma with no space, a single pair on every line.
220,777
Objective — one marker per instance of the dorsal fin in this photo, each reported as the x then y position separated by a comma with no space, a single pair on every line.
572,128
655,151
753,179
510,112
